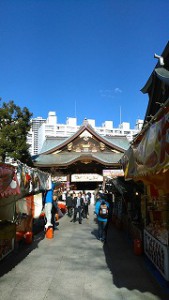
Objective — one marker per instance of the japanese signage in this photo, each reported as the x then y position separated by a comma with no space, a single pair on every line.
113,173
86,177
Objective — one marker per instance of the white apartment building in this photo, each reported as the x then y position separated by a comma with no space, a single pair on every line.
42,128
32,137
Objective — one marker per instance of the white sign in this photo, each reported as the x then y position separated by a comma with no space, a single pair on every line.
86,177
59,178
113,173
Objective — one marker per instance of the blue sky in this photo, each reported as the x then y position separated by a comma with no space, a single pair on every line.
83,58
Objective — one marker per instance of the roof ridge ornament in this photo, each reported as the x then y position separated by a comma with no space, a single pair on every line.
160,59
85,122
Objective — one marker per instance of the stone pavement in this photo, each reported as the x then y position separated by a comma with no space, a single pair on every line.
75,265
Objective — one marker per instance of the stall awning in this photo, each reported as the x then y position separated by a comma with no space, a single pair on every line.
19,181
149,160
8,181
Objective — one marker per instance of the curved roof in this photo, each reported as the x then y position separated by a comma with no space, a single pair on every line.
118,141
56,152
86,126
153,86
69,158
52,143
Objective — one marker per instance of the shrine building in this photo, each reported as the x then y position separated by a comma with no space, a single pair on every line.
83,160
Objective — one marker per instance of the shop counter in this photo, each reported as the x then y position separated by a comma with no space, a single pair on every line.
158,253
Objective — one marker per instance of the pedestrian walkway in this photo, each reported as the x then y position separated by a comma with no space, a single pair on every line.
75,265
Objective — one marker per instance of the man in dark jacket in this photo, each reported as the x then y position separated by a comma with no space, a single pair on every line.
69,204
78,205
55,210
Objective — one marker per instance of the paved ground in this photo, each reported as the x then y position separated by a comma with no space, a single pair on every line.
75,265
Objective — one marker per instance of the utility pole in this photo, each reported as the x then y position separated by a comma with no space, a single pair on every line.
120,115
75,108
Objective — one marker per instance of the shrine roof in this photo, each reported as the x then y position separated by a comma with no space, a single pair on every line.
52,144
120,141
64,159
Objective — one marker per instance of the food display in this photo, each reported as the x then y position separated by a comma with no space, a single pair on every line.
156,234
158,219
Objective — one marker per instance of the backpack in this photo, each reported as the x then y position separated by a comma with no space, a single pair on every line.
103,210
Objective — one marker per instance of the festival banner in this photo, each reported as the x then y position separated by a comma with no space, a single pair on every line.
21,180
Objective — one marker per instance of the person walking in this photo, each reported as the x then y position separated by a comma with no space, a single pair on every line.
102,212
48,202
86,202
69,204
109,199
78,205
55,210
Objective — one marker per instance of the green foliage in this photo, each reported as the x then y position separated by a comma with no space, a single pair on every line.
14,127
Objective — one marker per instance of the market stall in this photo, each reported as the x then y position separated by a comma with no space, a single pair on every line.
126,205
18,185
156,232
8,188
147,160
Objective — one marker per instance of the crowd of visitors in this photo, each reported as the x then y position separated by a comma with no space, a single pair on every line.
77,204
78,209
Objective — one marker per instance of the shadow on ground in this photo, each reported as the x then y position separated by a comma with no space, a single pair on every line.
95,233
22,250
128,270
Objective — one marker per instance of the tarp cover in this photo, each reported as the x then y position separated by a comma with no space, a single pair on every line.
21,180
8,181
149,160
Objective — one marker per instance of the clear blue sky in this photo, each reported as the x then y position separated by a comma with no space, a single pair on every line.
83,58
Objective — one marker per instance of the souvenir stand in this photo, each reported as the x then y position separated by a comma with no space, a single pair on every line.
17,206
152,164
32,183
112,186
9,190
126,208
148,160
156,232
156,180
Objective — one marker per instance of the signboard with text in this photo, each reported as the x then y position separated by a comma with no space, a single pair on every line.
86,178
113,173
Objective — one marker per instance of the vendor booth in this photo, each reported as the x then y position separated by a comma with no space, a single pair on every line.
18,186
147,160
126,205
8,189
